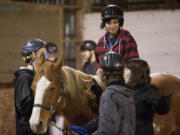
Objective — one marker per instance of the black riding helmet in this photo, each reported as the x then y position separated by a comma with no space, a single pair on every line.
51,47
30,47
113,11
88,45
112,62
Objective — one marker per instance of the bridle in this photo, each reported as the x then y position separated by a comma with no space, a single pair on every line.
52,108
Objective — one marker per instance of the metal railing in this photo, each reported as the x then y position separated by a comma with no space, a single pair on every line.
136,4
96,5
55,2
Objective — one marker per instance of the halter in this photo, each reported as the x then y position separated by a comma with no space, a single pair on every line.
52,108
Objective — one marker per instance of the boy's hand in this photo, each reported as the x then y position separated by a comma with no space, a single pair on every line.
99,72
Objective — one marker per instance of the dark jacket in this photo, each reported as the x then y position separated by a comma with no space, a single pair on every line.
116,112
148,102
23,100
124,43
90,68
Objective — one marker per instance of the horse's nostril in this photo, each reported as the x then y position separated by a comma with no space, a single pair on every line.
40,124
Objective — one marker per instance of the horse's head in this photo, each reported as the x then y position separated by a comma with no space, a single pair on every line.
47,94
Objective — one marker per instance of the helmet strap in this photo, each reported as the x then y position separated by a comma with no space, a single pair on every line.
27,59
24,58
33,55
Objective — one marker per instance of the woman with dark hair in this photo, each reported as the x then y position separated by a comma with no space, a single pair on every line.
147,99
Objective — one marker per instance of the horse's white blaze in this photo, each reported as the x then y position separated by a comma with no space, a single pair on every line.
41,87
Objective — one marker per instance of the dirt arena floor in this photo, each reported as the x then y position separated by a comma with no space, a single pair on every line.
7,114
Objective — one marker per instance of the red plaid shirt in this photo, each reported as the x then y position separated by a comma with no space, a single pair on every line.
125,45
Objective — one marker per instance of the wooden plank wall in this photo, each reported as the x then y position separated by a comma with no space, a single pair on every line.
18,23
7,113
23,21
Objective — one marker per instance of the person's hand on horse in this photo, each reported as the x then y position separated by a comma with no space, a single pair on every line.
99,72
164,104
165,100
152,98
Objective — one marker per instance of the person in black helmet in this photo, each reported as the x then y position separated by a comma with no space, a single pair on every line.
117,107
24,97
51,54
116,38
88,56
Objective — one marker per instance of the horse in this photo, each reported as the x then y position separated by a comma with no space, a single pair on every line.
62,90
168,124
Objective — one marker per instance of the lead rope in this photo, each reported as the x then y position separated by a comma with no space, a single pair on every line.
65,131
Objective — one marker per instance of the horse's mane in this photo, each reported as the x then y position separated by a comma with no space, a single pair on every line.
76,81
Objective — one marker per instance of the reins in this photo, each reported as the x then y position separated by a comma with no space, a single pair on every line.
65,131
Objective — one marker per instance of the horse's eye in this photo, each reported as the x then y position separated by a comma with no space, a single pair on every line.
51,89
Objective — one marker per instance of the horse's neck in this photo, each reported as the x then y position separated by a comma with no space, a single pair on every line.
75,83
76,86
76,78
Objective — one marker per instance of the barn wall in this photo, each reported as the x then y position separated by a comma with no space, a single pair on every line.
20,22
7,114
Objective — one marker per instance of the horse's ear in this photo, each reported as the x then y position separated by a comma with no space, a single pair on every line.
60,62
41,59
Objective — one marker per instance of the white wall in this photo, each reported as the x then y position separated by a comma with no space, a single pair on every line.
156,32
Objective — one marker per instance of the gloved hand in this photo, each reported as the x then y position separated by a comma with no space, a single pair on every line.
152,98
79,130
164,104
165,100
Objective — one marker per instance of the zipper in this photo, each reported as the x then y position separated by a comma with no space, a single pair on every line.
105,44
